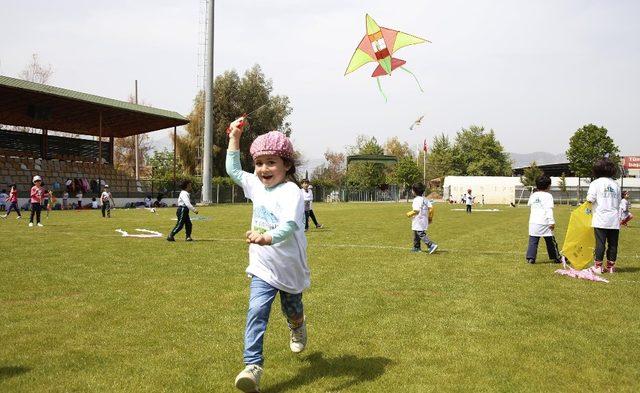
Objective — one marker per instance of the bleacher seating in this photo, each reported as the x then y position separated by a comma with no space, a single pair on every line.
18,168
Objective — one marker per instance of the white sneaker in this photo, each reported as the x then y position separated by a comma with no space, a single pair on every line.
249,379
30,224
40,225
19,217
298,338
3,216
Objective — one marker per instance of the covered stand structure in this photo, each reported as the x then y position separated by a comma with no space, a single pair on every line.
49,108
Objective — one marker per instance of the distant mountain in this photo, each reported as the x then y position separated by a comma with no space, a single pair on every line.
540,157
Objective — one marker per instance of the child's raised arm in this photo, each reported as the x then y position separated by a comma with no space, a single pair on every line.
232,164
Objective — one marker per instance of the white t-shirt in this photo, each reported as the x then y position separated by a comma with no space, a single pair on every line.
541,215
624,208
185,200
282,265
420,222
307,195
604,193
105,196
468,198
94,204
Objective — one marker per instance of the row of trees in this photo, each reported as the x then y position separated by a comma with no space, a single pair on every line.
474,152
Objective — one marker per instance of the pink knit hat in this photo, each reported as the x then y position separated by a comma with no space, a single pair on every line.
273,142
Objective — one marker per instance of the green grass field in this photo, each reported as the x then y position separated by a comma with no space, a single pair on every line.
84,309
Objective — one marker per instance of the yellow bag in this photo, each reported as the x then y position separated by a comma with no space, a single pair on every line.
431,212
579,242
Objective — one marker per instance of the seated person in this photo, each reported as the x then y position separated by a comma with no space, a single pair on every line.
94,203
158,202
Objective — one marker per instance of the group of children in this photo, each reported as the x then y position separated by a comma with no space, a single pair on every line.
610,210
41,198
38,198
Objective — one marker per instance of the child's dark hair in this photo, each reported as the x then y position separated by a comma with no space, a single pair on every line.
604,168
418,188
13,186
291,173
185,184
543,183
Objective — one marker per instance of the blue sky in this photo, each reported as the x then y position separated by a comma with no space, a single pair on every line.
534,71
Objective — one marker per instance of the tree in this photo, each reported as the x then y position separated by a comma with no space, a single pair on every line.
124,151
531,174
562,183
440,158
394,147
189,146
233,96
35,72
332,173
406,172
125,157
477,153
366,175
588,144
161,163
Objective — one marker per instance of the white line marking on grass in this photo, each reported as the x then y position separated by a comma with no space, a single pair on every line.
476,210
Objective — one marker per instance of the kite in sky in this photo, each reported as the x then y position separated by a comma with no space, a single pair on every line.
379,45
416,123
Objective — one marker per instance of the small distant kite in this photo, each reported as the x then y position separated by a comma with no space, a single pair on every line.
145,233
379,45
416,123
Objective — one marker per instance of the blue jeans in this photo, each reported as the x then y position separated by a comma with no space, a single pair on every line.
260,299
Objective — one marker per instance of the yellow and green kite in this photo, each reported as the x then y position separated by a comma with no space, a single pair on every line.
379,45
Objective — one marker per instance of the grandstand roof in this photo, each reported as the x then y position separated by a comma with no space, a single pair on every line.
30,104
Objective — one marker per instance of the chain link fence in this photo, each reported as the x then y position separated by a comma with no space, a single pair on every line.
571,196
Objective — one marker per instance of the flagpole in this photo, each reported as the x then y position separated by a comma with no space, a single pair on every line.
424,167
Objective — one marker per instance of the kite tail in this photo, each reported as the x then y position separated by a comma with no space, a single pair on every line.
380,88
414,77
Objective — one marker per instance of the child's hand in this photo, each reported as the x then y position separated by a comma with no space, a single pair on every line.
411,213
552,227
258,238
235,128
196,211
430,220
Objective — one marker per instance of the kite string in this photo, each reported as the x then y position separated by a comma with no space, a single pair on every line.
380,88
414,77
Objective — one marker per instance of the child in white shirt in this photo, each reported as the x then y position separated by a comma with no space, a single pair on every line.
541,222
307,195
625,207
468,200
277,250
604,193
184,205
107,201
421,214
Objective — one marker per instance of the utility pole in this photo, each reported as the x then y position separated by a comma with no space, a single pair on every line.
136,137
208,109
